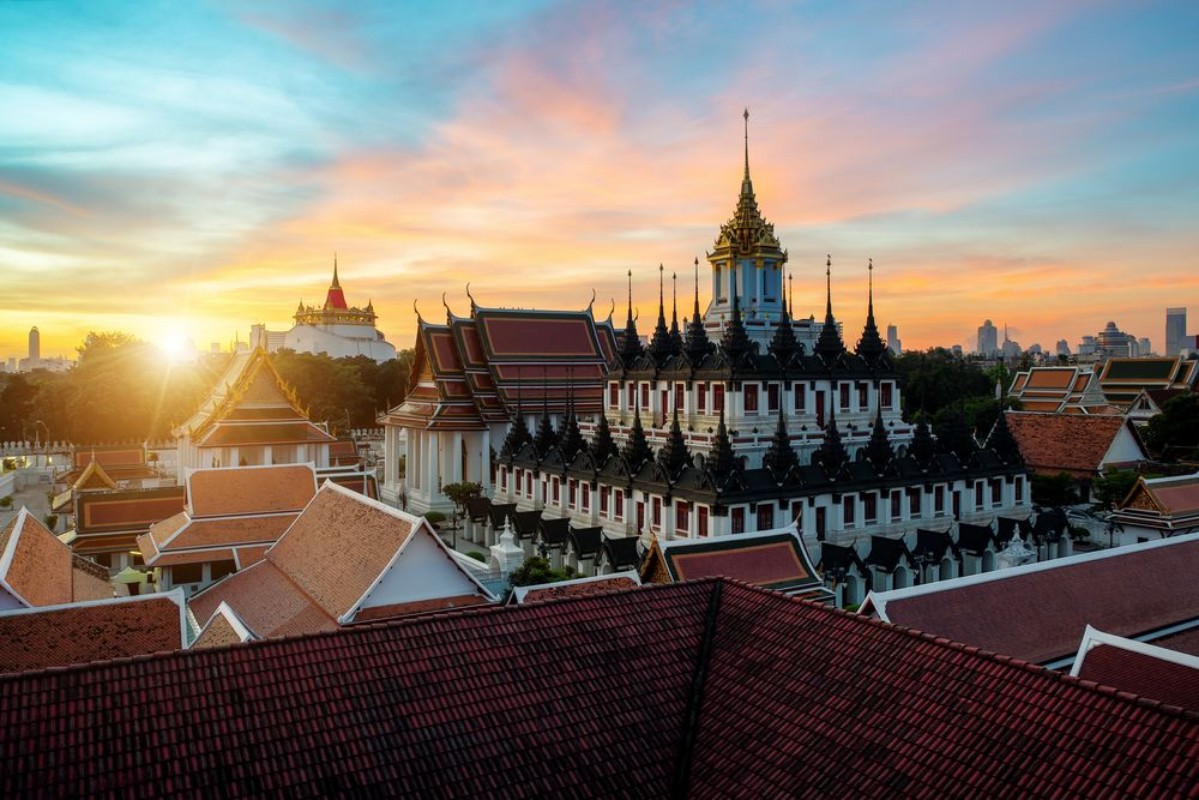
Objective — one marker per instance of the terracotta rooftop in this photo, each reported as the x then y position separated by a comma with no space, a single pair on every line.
250,490
59,635
329,564
742,692
1039,612
222,629
36,569
1070,443
1139,668
578,587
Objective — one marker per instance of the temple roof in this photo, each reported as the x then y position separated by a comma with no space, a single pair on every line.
1143,669
1079,445
36,569
1039,612
737,685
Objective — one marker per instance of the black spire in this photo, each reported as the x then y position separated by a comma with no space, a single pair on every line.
831,454
829,345
722,461
955,437
636,449
698,346
518,434
878,449
784,345
735,342
871,346
922,448
674,456
659,345
571,441
545,437
1003,443
676,336
780,456
602,447
631,348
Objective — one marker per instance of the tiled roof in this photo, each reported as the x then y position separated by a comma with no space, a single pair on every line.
127,511
1064,442
223,628
741,693
267,602
578,587
207,533
58,635
1039,612
250,490
35,567
1142,669
774,559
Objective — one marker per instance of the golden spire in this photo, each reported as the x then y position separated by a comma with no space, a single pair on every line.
746,117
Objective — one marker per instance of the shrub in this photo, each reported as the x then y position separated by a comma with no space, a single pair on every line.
435,517
477,556
6,502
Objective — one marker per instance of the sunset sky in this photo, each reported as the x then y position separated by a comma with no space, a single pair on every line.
191,168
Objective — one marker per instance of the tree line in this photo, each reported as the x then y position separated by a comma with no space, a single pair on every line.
122,389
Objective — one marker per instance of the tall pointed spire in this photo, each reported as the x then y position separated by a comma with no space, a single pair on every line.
571,440
676,336
784,345
336,284
631,348
545,437
674,456
602,447
518,434
636,449
723,460
698,346
1002,442
659,344
780,456
922,448
745,180
831,454
735,341
335,297
829,345
871,346
878,448
954,436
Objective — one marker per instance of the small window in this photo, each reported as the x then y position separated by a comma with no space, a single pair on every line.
1019,490
737,519
557,487
978,494
750,393
849,509
680,395
701,523
844,396
222,568
914,502
645,397
896,505
765,516
862,395
939,500
657,512
618,504
996,491
586,497
604,490
801,394
870,501
613,395
885,395
631,391
718,398
701,398
186,573
682,518
772,397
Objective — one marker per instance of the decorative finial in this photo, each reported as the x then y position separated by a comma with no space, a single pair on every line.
590,304
336,284
791,295
746,116
448,314
416,311
471,296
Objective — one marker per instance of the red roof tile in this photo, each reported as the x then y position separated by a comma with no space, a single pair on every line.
34,565
739,692
1074,443
267,602
1142,669
1039,612
250,490
59,635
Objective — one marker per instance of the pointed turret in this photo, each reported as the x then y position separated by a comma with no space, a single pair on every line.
871,346
922,448
698,345
636,449
878,449
659,344
674,455
676,336
518,434
571,441
602,447
631,349
780,456
1003,443
735,341
545,438
335,297
784,345
831,454
829,346
722,460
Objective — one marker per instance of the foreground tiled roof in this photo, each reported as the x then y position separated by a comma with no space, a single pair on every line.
1039,612
738,692
36,569
1062,442
577,587
55,636
1142,669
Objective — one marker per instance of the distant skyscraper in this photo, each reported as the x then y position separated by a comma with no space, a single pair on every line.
1063,347
893,342
1115,343
988,339
1176,330
35,344
1144,347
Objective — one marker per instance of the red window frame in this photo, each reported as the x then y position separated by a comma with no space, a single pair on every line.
772,397
718,398
765,516
737,519
701,523
701,398
680,395
870,503
844,392
645,397
800,398
603,493
656,512
618,505
613,395
749,392
885,397
896,505
557,489
849,509
682,518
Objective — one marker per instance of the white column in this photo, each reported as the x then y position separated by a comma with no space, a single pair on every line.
485,462
457,472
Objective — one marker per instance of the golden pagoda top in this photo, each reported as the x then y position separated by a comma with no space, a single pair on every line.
747,232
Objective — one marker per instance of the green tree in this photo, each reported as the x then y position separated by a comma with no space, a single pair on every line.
332,389
538,570
936,378
1052,491
1111,487
1175,431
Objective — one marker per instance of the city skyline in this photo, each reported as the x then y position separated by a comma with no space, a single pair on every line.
173,170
